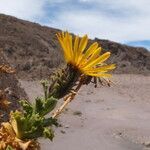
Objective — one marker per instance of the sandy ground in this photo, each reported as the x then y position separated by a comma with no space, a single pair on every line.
116,118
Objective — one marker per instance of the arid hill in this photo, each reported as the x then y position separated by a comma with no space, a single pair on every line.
34,50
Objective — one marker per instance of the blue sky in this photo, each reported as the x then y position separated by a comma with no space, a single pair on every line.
125,21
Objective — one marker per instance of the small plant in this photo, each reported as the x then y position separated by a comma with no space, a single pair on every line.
84,65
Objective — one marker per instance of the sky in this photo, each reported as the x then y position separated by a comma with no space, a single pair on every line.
124,21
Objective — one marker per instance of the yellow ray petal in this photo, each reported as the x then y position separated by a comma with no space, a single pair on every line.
91,49
83,43
100,75
93,56
68,42
94,72
101,59
101,68
67,57
82,46
76,46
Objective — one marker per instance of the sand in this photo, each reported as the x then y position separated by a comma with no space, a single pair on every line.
103,118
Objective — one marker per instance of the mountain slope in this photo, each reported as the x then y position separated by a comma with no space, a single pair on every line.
13,91
34,50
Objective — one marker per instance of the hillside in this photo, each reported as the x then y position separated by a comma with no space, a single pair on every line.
34,50
13,92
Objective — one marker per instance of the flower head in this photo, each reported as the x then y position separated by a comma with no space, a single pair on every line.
87,60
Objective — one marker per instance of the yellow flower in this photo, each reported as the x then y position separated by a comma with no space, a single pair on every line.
87,60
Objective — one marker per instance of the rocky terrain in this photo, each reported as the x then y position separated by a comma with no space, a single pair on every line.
10,89
34,50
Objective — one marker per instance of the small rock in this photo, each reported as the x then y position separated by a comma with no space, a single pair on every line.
66,126
147,144
77,113
63,132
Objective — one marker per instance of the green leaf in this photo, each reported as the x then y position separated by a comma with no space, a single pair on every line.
48,133
45,84
50,104
27,107
39,105
50,121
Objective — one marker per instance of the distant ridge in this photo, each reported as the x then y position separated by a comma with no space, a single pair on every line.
34,50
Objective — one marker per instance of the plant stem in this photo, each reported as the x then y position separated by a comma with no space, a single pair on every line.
67,100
